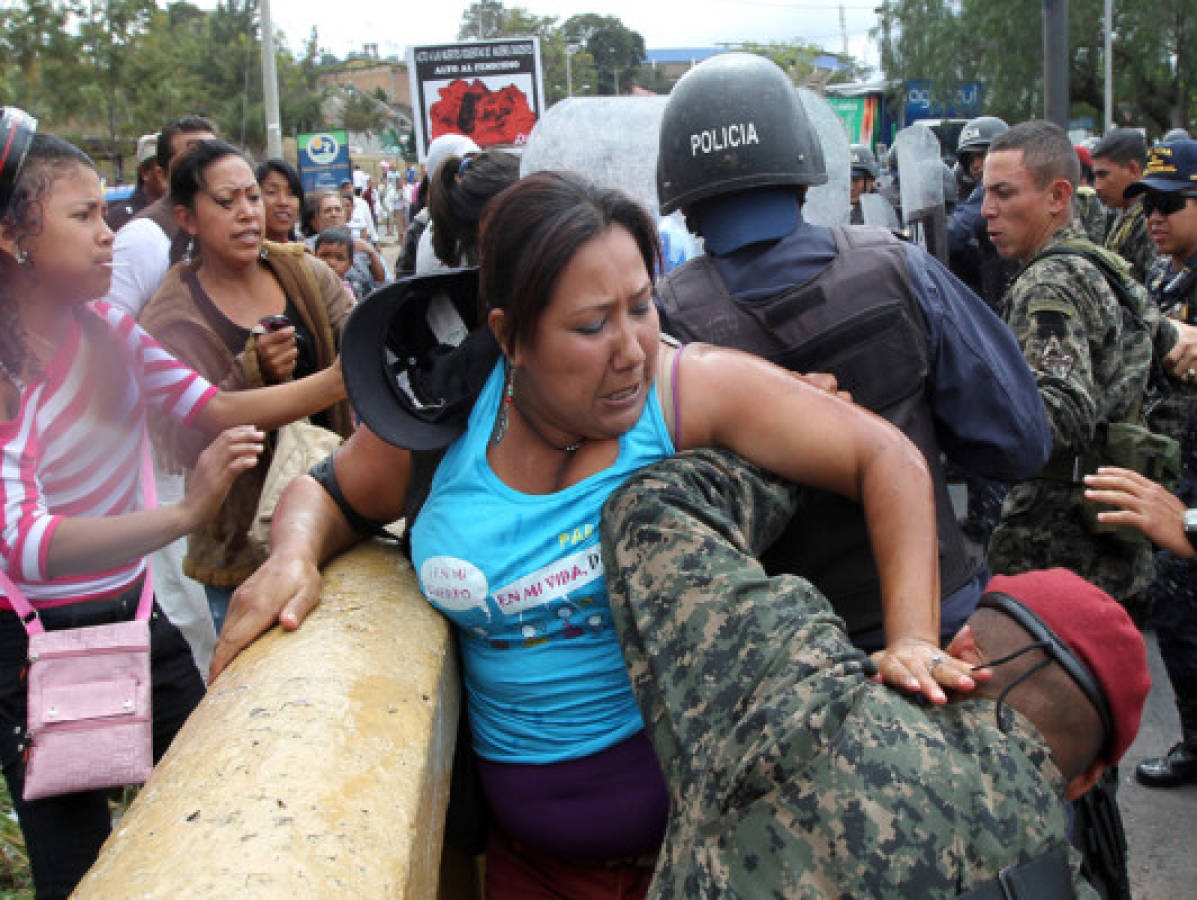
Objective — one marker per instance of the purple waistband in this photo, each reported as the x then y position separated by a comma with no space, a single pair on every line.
610,805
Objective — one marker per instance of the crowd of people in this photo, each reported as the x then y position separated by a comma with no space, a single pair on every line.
722,633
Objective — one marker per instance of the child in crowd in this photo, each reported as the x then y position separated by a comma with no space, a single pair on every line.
335,247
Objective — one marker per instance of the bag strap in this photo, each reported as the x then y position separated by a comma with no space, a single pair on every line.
149,494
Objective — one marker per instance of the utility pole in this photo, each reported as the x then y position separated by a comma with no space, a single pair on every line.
1108,59
1055,62
274,131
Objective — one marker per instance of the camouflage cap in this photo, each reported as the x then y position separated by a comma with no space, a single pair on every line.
1100,633
1170,167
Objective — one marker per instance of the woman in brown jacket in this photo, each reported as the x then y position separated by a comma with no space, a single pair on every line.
244,312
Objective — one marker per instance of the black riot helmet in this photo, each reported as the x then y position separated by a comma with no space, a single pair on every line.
977,135
1176,134
733,123
863,160
16,134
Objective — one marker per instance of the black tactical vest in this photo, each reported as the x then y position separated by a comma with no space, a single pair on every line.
859,320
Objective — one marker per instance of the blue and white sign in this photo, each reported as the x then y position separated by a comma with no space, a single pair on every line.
323,160
965,103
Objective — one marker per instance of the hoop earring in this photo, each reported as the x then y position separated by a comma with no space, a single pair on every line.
22,256
500,429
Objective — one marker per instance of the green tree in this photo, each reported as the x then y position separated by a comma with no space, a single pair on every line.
1000,43
108,32
363,114
616,50
798,60
482,20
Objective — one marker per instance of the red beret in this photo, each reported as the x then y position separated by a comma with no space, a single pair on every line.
1083,154
1098,630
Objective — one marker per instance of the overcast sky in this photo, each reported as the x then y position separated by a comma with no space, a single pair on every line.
344,25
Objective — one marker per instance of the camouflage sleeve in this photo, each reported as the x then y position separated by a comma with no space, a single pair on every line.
1050,310
704,630
1164,334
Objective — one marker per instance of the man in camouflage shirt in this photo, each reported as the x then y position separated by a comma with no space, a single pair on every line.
791,772
1117,163
1091,358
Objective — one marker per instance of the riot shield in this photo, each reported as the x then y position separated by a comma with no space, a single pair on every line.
876,210
613,141
830,203
921,184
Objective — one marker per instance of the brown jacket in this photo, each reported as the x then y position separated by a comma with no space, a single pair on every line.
220,554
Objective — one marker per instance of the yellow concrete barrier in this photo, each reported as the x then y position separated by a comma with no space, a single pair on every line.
316,766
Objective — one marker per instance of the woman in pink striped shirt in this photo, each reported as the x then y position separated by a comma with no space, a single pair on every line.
76,380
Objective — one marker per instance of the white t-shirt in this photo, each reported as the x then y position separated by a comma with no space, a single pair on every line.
140,257
362,220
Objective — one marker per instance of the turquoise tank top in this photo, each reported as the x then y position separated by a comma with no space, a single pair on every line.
521,577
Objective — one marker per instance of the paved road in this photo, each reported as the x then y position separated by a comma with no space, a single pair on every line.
1161,825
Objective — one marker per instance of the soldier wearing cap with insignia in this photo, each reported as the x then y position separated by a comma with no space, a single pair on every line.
1169,199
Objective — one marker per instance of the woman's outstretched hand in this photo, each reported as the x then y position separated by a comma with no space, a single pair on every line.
920,666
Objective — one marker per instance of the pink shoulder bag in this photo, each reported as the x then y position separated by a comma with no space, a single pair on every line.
90,723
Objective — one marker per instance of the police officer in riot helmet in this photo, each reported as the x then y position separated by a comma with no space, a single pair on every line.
973,144
971,256
864,177
907,339
1175,134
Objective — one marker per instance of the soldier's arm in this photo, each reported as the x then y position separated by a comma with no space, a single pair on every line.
1051,316
989,418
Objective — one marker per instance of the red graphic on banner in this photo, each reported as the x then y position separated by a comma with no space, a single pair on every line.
489,117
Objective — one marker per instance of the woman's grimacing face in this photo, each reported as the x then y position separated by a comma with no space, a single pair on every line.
591,360
228,218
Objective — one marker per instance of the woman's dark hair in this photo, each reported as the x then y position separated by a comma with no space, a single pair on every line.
533,229
457,197
307,214
187,177
288,172
48,158
187,180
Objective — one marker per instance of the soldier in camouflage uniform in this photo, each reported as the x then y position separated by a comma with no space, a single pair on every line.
1091,359
791,772
1087,206
1117,163
1168,188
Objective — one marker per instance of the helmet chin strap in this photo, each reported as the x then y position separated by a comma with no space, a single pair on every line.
1003,722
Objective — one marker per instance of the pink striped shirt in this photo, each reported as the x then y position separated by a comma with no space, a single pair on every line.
61,458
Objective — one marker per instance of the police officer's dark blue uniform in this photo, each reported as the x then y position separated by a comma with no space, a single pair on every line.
978,391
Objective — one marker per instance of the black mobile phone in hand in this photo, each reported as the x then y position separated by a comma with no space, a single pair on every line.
274,323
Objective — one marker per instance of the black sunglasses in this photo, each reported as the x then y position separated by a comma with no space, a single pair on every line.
1043,638
1165,203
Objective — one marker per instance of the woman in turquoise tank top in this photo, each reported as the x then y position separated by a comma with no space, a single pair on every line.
582,394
